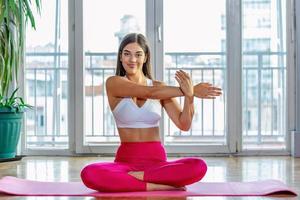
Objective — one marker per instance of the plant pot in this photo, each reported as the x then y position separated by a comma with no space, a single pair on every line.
10,127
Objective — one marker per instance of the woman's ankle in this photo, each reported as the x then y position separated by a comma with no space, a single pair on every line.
137,174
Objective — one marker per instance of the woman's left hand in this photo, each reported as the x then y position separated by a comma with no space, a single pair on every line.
185,83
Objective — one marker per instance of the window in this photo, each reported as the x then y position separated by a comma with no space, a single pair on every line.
46,74
264,75
101,44
200,53
178,40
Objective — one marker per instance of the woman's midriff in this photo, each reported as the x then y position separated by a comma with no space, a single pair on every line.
139,134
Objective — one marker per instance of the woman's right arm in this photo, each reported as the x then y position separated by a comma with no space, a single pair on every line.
120,87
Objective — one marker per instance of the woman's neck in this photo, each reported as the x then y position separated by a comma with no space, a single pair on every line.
136,78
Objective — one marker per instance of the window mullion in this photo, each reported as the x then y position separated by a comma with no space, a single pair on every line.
291,81
234,75
150,27
154,20
159,53
71,76
297,36
79,76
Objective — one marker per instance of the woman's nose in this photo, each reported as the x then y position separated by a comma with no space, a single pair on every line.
132,58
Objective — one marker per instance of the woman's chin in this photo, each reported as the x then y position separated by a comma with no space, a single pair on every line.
131,72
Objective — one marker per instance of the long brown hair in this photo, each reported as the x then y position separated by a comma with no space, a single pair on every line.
142,41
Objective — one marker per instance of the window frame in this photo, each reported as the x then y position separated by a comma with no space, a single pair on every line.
154,32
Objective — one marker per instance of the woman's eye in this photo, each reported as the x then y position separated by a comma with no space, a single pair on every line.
139,55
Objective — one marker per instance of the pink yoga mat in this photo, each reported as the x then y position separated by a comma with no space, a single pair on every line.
16,186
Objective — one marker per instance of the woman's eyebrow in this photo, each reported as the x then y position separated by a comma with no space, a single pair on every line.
125,50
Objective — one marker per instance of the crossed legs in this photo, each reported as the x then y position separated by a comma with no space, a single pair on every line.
177,173
121,177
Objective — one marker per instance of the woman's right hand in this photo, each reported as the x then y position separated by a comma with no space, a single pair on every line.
206,91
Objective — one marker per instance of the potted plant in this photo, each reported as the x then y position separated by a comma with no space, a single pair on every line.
14,15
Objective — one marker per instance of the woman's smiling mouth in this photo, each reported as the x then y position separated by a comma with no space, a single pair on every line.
131,65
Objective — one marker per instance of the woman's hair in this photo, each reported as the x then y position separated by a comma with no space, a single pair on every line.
142,41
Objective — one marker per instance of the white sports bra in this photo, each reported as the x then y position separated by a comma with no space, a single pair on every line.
128,115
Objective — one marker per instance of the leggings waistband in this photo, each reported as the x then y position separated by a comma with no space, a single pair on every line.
141,143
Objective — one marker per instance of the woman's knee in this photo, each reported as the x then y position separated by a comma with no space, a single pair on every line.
87,176
88,172
94,177
197,167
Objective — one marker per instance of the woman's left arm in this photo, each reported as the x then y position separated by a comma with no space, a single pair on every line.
182,118
187,88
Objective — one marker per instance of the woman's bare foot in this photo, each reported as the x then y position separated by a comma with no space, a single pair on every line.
159,187
137,174
153,186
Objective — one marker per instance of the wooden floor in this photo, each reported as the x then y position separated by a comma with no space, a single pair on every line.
284,168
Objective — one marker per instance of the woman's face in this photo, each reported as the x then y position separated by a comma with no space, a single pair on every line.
132,58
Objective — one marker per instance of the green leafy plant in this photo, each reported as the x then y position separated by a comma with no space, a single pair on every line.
13,103
14,15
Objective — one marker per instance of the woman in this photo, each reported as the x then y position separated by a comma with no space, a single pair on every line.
136,100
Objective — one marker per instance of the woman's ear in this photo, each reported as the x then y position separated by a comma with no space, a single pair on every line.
146,57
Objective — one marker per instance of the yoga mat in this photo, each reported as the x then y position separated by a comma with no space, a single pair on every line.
22,187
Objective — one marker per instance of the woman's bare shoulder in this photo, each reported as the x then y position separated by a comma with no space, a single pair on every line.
114,78
110,81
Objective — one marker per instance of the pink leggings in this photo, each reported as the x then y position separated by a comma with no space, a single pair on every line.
149,157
